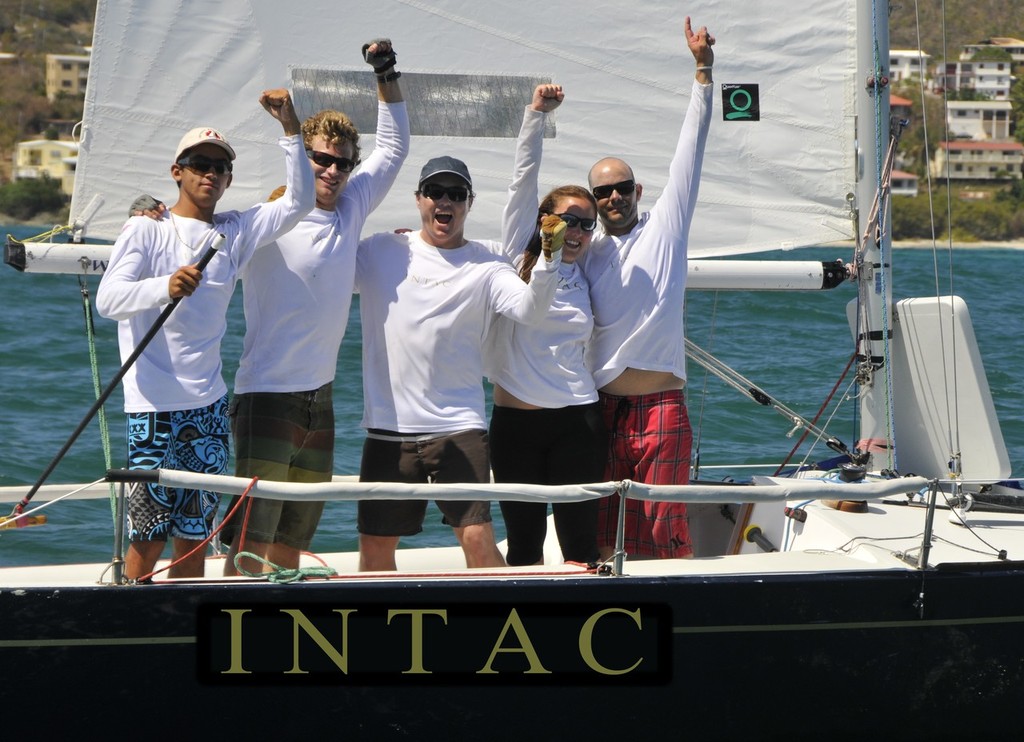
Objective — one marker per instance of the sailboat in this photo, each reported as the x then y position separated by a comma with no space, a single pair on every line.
823,602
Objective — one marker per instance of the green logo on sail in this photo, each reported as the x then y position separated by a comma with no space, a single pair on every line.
740,102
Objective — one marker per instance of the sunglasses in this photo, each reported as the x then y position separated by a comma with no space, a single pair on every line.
204,164
435,192
325,160
624,188
572,221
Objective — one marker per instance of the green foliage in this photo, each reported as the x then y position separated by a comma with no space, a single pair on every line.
1017,101
995,219
991,54
967,94
913,148
24,199
922,25
1013,195
912,219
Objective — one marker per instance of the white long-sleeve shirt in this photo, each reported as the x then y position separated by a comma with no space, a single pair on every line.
297,291
637,280
425,313
180,369
542,364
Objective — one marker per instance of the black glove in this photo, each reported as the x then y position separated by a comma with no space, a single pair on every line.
381,62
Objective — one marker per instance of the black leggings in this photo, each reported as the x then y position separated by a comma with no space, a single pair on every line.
568,445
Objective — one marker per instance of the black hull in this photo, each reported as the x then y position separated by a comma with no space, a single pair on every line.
884,655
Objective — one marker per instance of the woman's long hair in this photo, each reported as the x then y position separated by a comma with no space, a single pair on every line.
547,206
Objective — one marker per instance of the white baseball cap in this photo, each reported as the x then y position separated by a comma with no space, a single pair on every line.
202,135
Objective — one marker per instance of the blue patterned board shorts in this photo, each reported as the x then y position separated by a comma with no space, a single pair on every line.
187,440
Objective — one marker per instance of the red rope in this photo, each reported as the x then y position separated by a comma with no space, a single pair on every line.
202,544
820,410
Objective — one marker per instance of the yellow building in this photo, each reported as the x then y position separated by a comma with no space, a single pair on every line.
44,157
66,73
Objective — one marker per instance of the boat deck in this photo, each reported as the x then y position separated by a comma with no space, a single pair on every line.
887,536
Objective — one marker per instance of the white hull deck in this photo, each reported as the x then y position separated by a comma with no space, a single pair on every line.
888,536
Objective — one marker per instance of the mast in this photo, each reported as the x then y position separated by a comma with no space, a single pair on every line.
874,323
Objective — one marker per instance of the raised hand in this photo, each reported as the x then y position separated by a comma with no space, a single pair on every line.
547,97
700,44
380,55
552,235
278,103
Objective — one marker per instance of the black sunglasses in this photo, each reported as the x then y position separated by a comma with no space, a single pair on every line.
624,188
435,192
204,164
325,160
571,221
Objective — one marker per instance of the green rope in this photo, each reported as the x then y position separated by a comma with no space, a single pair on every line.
90,332
281,574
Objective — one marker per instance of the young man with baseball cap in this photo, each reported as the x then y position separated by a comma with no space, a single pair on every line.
427,299
175,396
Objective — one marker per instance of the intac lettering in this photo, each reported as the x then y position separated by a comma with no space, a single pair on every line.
421,641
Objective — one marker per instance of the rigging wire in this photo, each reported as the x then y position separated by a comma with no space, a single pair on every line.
951,411
750,390
101,416
814,420
698,429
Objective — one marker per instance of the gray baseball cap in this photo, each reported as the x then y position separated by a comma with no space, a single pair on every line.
440,165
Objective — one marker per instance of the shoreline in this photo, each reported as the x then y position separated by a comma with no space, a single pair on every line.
923,244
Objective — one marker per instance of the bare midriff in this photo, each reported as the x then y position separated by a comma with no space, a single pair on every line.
636,381
503,398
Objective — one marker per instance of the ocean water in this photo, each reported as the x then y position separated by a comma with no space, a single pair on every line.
793,345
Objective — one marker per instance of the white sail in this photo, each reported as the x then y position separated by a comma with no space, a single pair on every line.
468,71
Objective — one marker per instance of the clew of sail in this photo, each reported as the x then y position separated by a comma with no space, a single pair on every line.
468,71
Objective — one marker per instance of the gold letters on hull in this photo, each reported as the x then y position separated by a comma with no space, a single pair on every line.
478,644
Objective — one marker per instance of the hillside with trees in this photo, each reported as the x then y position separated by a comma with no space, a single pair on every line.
30,31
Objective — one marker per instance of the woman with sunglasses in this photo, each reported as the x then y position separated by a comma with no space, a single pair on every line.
546,427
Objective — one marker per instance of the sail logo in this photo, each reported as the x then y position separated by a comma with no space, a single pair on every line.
741,102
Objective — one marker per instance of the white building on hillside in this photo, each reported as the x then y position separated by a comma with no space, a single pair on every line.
988,77
907,63
979,119
979,160
903,183
1014,47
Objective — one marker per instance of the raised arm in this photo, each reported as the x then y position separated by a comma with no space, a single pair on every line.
265,222
379,171
380,54
519,219
700,44
674,209
278,103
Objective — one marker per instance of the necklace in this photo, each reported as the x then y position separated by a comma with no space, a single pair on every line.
192,250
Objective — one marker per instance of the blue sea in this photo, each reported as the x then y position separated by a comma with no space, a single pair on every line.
792,345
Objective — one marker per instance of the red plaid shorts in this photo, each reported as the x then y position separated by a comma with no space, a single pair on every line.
650,440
